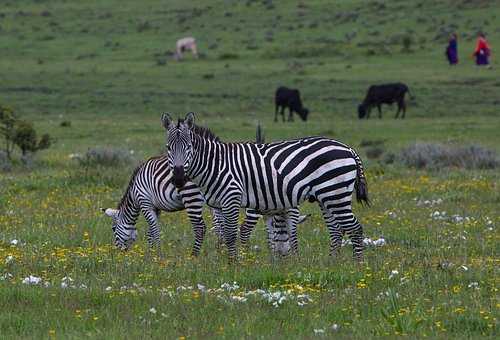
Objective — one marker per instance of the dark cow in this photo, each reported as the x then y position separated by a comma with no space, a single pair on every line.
384,94
290,98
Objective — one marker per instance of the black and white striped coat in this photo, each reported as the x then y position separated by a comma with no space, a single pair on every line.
270,178
151,190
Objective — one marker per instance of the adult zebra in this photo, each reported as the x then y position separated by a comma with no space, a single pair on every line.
270,178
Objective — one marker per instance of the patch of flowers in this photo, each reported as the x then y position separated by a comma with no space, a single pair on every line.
367,242
428,203
32,280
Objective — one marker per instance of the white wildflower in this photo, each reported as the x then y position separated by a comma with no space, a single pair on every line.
238,298
391,214
230,287
319,331
464,267
474,285
74,156
368,241
9,259
14,242
201,287
380,242
335,327
393,273
32,280
108,288
152,310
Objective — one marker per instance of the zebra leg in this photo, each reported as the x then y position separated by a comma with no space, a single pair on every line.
153,233
280,234
292,221
334,231
251,219
195,216
230,213
218,222
350,225
269,222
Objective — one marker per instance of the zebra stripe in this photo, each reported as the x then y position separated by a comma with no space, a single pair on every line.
270,178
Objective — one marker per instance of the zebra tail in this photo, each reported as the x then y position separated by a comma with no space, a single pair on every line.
360,185
259,138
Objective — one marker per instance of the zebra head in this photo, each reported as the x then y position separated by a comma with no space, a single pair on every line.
179,146
124,234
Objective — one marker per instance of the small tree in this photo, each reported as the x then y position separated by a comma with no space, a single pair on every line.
20,133
25,138
7,123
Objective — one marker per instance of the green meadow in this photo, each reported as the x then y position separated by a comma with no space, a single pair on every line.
105,68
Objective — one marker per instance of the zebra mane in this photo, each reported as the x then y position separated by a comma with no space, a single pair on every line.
129,186
132,180
203,132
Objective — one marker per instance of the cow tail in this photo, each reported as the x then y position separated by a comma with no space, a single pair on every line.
360,184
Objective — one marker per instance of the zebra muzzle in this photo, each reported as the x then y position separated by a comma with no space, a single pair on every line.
179,178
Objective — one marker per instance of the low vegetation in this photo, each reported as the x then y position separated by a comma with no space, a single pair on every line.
105,156
439,156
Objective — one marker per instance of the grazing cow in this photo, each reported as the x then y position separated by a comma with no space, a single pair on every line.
384,94
290,98
184,44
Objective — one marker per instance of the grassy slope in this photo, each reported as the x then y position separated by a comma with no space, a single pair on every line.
88,62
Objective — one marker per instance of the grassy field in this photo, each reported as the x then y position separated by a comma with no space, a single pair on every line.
105,66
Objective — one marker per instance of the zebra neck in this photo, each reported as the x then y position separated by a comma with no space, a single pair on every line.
208,160
128,211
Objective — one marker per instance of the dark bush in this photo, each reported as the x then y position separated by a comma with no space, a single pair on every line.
371,142
228,56
374,152
65,123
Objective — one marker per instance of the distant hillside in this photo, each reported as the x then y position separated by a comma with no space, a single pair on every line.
114,55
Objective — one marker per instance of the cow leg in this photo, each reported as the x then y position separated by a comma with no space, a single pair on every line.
403,106
379,111
368,111
283,113
290,115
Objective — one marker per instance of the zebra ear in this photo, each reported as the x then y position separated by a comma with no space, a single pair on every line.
110,212
189,120
166,120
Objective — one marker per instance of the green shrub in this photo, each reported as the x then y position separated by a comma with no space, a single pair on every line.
20,133
437,156
103,156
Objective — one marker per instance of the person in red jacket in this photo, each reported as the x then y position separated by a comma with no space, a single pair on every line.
482,51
